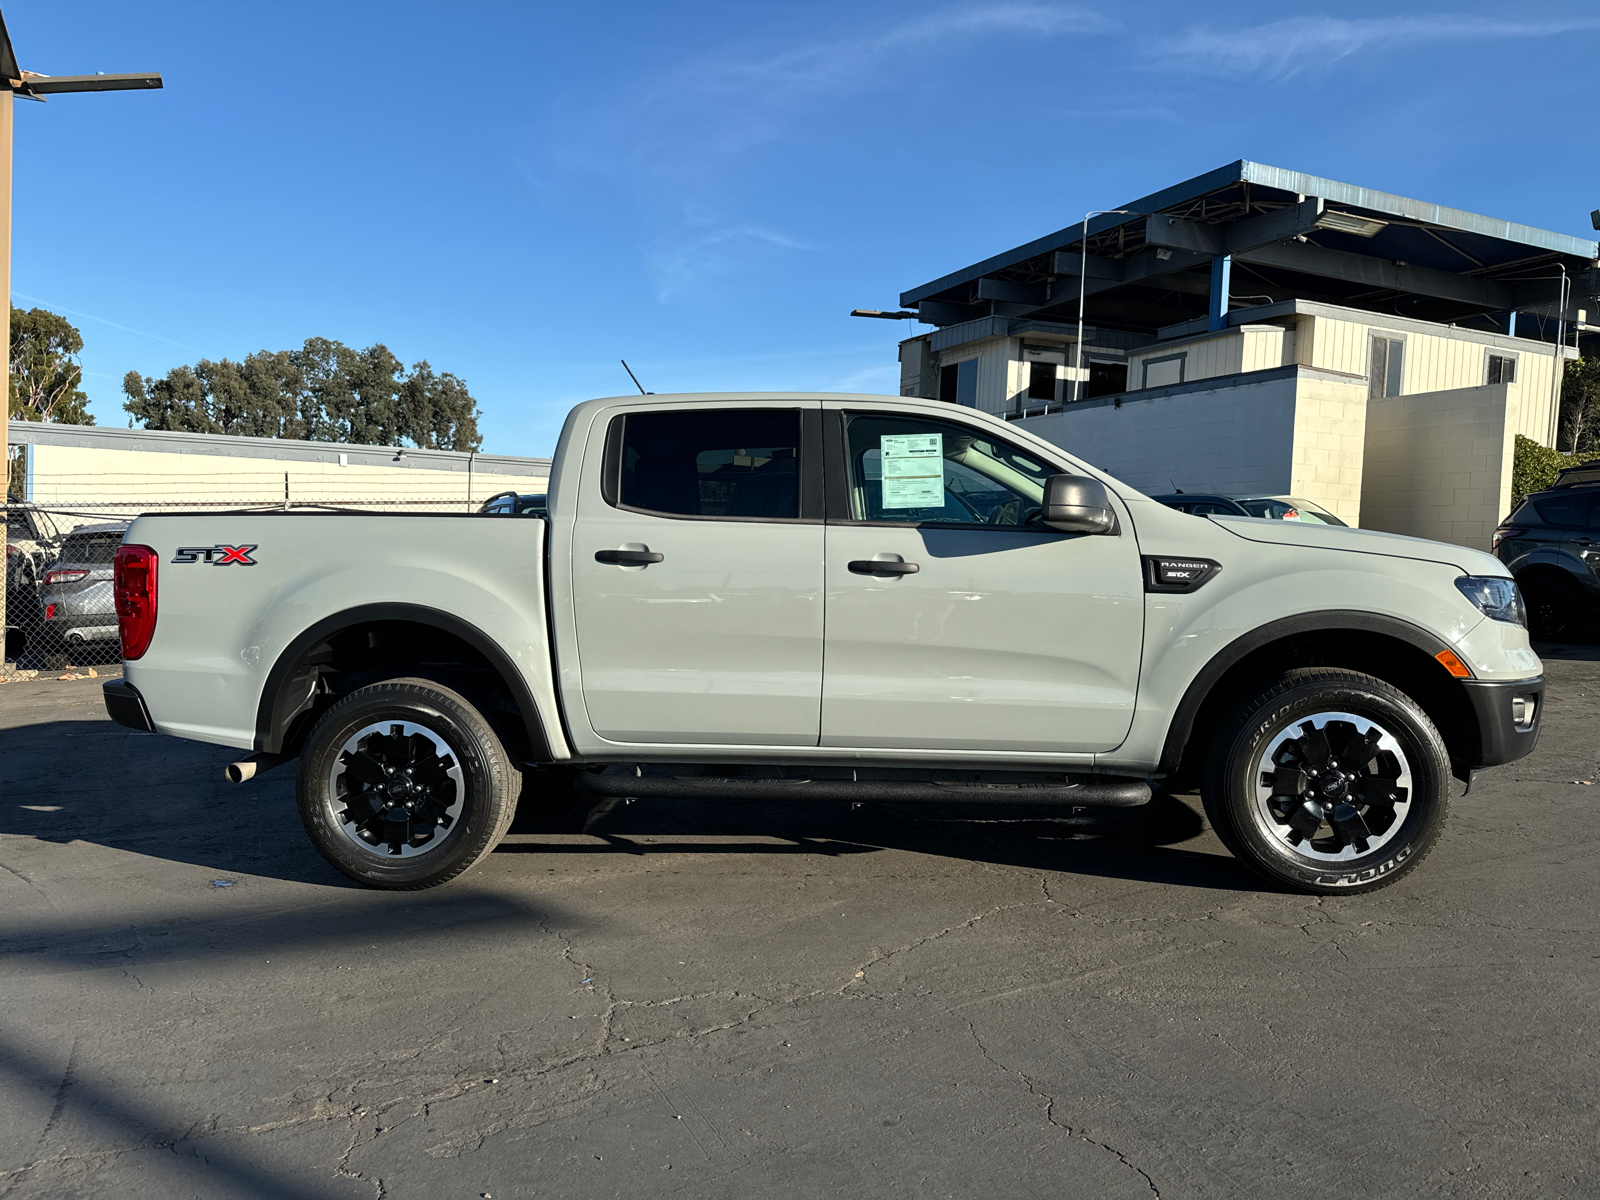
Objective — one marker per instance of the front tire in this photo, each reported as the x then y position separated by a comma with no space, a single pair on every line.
404,785
1329,782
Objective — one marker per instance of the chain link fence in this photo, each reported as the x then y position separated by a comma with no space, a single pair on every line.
60,614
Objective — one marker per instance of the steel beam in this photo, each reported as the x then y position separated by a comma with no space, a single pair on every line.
1380,273
1033,294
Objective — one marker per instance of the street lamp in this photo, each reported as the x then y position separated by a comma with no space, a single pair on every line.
31,85
1083,279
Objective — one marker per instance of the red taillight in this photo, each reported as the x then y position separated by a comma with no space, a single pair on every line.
1501,535
135,571
49,612
64,576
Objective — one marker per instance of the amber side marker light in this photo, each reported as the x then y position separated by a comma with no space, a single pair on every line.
1449,661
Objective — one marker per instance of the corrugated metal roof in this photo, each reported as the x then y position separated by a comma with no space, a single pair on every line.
1294,182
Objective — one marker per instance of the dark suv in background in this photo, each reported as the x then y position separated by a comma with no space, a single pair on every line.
1551,543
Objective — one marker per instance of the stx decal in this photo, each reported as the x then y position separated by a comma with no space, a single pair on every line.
217,556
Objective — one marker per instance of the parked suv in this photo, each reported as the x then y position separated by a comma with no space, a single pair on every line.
79,606
1551,543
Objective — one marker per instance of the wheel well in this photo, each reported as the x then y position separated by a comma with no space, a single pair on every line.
329,664
1391,659
1548,573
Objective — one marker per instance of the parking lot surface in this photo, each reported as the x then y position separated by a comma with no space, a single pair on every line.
765,999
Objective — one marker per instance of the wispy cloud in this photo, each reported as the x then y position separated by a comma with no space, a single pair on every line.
72,312
685,140
680,263
831,63
1296,44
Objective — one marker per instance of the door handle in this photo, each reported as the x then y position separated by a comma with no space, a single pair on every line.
628,558
874,566
1583,541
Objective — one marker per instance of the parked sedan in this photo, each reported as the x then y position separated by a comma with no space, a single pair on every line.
79,607
1276,508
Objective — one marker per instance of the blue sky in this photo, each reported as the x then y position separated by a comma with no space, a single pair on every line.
524,193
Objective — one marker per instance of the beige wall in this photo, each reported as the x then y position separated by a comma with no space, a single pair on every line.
92,477
1229,352
1438,464
1330,420
1438,363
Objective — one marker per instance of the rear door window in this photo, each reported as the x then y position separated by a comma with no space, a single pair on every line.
713,463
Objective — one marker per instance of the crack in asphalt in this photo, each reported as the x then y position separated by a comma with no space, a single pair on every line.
1050,1110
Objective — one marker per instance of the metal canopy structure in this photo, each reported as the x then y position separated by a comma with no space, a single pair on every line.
1272,235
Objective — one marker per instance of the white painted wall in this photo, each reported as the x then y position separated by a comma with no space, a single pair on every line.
1227,439
115,481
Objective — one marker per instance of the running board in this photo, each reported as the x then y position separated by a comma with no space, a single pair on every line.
880,785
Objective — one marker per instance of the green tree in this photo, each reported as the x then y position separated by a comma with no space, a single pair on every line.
324,392
1580,405
45,372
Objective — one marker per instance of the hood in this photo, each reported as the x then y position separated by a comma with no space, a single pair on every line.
1361,541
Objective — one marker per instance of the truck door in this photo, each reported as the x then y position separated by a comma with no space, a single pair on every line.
697,577
953,620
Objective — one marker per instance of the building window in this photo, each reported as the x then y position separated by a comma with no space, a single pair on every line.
1163,372
1106,379
958,383
1042,381
1388,367
1502,368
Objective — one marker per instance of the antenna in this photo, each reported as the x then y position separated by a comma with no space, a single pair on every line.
634,377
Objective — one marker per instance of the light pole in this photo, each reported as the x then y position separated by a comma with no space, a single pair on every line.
30,85
1083,281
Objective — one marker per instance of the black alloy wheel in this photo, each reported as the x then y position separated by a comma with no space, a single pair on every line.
1329,782
403,784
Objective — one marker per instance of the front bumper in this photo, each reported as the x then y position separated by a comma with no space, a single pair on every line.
126,706
1501,737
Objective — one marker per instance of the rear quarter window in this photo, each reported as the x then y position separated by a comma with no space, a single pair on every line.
1570,511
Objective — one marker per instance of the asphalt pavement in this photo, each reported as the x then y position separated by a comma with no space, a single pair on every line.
734,1000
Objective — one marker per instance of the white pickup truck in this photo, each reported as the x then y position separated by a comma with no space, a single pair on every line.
860,597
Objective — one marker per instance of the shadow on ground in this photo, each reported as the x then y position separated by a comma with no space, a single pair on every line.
93,781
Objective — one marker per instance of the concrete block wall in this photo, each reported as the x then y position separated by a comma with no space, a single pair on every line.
1228,439
1329,445
1438,464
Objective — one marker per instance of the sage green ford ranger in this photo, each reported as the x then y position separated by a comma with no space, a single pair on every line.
838,597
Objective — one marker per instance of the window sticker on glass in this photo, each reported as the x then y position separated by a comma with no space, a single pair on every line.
913,470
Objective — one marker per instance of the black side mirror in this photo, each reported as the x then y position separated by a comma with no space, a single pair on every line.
1077,504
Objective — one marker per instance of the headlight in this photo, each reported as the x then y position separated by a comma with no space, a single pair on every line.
1495,597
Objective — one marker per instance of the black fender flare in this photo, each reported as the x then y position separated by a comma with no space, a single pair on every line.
1183,717
281,701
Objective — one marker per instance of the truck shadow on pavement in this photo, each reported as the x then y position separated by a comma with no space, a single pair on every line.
1136,844
95,782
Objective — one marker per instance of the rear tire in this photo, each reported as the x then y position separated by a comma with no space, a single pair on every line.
404,785
1553,610
1329,782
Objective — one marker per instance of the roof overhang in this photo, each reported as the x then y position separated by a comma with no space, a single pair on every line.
1291,236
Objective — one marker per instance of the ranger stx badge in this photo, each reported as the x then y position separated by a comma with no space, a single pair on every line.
217,556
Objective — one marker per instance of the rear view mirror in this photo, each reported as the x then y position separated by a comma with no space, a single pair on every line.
1077,504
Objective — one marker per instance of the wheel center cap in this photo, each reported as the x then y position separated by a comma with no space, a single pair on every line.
397,787
1332,785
